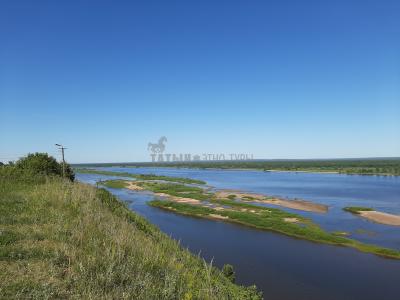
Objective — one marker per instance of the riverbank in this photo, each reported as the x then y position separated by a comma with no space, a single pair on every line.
60,239
259,255
194,201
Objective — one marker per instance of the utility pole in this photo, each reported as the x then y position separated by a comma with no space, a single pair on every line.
63,159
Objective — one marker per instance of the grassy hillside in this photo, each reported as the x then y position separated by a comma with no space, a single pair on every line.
60,239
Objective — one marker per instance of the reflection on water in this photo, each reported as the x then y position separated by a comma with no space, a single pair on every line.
284,267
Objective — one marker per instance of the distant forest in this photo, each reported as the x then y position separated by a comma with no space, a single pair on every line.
384,166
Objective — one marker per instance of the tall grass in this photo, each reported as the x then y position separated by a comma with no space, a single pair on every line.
69,240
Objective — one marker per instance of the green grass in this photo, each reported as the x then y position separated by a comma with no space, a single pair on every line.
69,240
357,209
178,190
169,178
116,184
140,176
194,210
172,189
239,204
273,219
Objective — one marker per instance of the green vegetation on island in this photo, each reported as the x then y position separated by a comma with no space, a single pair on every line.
140,176
231,210
273,219
356,209
60,239
178,190
114,183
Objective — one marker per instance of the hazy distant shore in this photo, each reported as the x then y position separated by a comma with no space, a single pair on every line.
373,167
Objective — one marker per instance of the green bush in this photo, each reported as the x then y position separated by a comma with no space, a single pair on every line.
229,273
43,164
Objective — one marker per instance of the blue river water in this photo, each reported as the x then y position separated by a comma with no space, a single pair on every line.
284,267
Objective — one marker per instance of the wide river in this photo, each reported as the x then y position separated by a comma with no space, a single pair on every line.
280,266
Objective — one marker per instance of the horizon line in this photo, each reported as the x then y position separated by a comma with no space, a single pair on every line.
248,160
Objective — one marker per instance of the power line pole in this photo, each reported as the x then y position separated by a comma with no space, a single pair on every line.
63,159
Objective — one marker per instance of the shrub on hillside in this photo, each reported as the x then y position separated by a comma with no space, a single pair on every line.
228,271
42,163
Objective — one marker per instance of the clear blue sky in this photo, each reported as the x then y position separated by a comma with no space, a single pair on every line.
278,79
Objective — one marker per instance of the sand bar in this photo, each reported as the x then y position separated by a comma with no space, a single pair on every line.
294,204
381,217
215,216
132,185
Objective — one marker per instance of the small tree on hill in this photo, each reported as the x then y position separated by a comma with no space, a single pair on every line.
42,163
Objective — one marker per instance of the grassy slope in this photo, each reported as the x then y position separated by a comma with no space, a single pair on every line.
140,176
68,240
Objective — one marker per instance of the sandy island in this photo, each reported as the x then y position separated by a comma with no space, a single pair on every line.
375,216
381,217
294,204
132,185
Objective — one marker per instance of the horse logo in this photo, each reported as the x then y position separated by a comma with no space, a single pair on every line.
157,147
